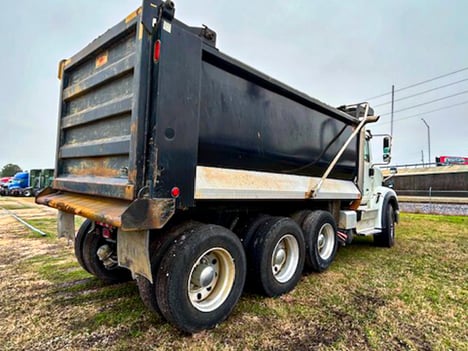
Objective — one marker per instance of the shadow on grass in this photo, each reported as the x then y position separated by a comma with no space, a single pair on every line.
113,306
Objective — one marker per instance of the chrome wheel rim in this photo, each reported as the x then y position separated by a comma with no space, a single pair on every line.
285,258
211,279
326,241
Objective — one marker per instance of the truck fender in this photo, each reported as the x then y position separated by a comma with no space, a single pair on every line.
385,197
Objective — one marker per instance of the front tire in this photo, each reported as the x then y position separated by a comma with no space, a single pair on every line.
387,237
321,242
201,278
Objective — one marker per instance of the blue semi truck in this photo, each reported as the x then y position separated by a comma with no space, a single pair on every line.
18,183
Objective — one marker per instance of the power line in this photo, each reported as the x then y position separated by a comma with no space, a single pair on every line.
418,83
422,92
427,112
427,102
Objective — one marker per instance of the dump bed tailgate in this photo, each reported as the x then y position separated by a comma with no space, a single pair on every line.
99,128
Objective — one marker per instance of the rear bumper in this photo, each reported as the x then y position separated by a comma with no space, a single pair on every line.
140,214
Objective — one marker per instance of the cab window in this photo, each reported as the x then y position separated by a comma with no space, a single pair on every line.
366,151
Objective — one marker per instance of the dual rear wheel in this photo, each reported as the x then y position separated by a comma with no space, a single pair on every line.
199,270
275,256
98,255
199,275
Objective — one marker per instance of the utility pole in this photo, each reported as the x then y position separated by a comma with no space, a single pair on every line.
422,157
428,138
391,115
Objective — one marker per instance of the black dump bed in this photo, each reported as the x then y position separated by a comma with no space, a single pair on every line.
152,99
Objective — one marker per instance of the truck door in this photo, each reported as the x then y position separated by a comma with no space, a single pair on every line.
368,173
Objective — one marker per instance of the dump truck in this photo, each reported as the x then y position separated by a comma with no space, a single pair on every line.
198,174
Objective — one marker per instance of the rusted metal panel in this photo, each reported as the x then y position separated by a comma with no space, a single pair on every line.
112,108
98,93
102,113
108,166
133,15
111,71
112,128
133,252
141,214
148,214
100,186
114,146
97,209
114,90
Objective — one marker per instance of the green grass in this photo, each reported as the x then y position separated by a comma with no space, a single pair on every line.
411,297
15,206
46,225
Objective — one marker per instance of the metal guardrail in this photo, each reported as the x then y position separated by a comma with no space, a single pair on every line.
430,192
411,165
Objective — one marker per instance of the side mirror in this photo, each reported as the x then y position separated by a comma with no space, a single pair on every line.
387,149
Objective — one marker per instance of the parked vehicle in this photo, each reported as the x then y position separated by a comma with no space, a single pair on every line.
28,183
39,179
451,160
19,182
196,172
4,182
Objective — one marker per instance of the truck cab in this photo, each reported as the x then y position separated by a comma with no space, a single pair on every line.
19,182
379,208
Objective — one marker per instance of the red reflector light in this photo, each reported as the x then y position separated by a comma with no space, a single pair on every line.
106,233
175,192
157,50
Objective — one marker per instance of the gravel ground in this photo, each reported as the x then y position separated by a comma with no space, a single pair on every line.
435,208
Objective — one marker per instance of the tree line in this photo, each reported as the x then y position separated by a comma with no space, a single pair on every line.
10,170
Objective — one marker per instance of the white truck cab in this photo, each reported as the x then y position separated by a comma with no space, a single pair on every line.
379,209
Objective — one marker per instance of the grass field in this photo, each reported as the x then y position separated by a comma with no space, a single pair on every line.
410,297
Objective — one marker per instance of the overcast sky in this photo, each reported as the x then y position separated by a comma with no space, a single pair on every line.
337,51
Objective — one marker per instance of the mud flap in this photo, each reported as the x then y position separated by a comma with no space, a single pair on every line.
133,252
66,225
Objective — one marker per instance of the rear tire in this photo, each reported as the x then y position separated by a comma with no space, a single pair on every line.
387,237
201,278
158,247
86,228
321,241
276,256
300,216
248,227
92,242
